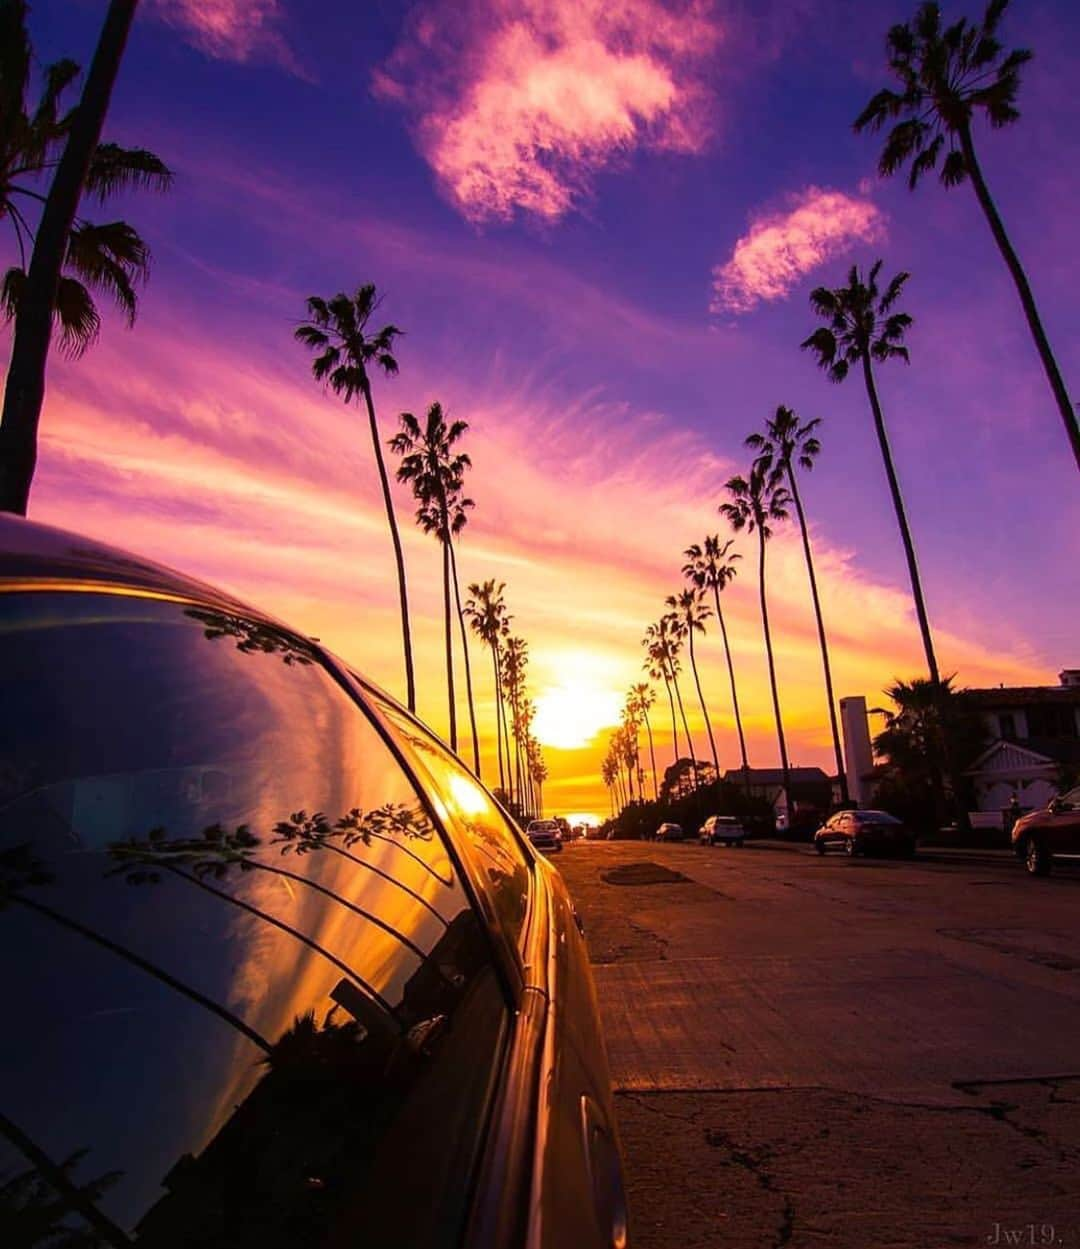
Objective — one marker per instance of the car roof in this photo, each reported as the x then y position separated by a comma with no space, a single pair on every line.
42,555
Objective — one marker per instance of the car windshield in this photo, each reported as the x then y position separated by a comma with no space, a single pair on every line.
210,858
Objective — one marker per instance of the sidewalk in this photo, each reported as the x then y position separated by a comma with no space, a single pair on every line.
964,853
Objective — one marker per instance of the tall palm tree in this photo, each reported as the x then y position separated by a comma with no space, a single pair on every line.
659,663
111,257
676,632
785,441
515,659
643,696
490,621
691,612
711,565
436,473
757,501
337,331
863,326
946,76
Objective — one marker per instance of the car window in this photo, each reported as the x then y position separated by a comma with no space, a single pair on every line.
1072,797
503,863
246,974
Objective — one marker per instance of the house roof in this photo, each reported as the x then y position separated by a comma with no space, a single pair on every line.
1029,752
775,776
1018,695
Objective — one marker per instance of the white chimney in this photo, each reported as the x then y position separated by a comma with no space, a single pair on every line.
858,754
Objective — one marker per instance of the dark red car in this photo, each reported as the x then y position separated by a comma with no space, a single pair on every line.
1041,836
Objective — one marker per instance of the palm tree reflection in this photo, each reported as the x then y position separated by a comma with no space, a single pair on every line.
252,638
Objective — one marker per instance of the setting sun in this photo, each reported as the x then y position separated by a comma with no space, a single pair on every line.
570,717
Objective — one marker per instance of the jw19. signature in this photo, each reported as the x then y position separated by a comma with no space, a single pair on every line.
1026,1234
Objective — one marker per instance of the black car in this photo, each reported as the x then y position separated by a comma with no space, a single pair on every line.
866,832
278,971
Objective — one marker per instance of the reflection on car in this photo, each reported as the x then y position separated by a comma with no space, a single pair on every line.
865,832
278,971
1054,832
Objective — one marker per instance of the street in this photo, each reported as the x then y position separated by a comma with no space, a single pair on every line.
838,1052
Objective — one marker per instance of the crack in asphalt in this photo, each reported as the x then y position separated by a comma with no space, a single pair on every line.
755,1165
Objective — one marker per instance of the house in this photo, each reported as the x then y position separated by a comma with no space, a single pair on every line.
1034,733
810,788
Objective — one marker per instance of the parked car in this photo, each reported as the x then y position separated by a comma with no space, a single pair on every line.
722,830
1041,836
545,835
865,832
277,969
669,832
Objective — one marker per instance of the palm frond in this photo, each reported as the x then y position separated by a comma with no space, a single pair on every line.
77,316
114,168
111,257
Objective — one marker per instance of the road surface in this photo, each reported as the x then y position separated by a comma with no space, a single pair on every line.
838,1052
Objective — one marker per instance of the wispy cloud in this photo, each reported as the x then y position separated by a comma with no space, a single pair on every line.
517,103
781,248
230,30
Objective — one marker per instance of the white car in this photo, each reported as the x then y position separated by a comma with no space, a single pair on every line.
545,835
722,828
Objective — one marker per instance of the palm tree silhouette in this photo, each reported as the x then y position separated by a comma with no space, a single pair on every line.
515,659
862,327
659,663
787,439
20,871
946,76
711,565
756,501
676,632
337,331
642,697
67,253
437,473
490,621
692,614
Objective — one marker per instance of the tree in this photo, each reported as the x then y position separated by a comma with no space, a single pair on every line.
660,663
785,441
486,610
948,75
436,473
642,696
515,660
863,326
692,614
68,254
928,726
711,565
755,502
676,632
337,331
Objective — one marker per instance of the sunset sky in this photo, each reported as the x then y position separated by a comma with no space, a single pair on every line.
598,223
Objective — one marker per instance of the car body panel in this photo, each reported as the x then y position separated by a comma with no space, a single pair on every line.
1057,826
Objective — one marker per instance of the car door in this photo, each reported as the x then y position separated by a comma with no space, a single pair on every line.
1063,823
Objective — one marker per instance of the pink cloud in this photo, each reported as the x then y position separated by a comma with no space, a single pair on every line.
780,249
518,102
230,30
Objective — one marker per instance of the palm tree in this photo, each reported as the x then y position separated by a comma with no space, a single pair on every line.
437,473
692,614
676,631
643,696
490,622
712,566
110,257
946,76
337,330
659,664
787,439
756,501
862,327
515,659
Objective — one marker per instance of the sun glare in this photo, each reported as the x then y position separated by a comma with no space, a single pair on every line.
568,717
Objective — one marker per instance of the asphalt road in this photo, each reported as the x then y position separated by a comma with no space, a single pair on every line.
835,1052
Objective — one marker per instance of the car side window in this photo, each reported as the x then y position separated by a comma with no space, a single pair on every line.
248,976
495,847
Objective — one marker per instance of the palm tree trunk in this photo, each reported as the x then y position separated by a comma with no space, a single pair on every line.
674,730
686,729
498,714
785,770
393,880
704,709
901,520
234,1021
25,390
841,775
399,556
1023,288
652,756
734,693
449,636
103,1228
468,666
